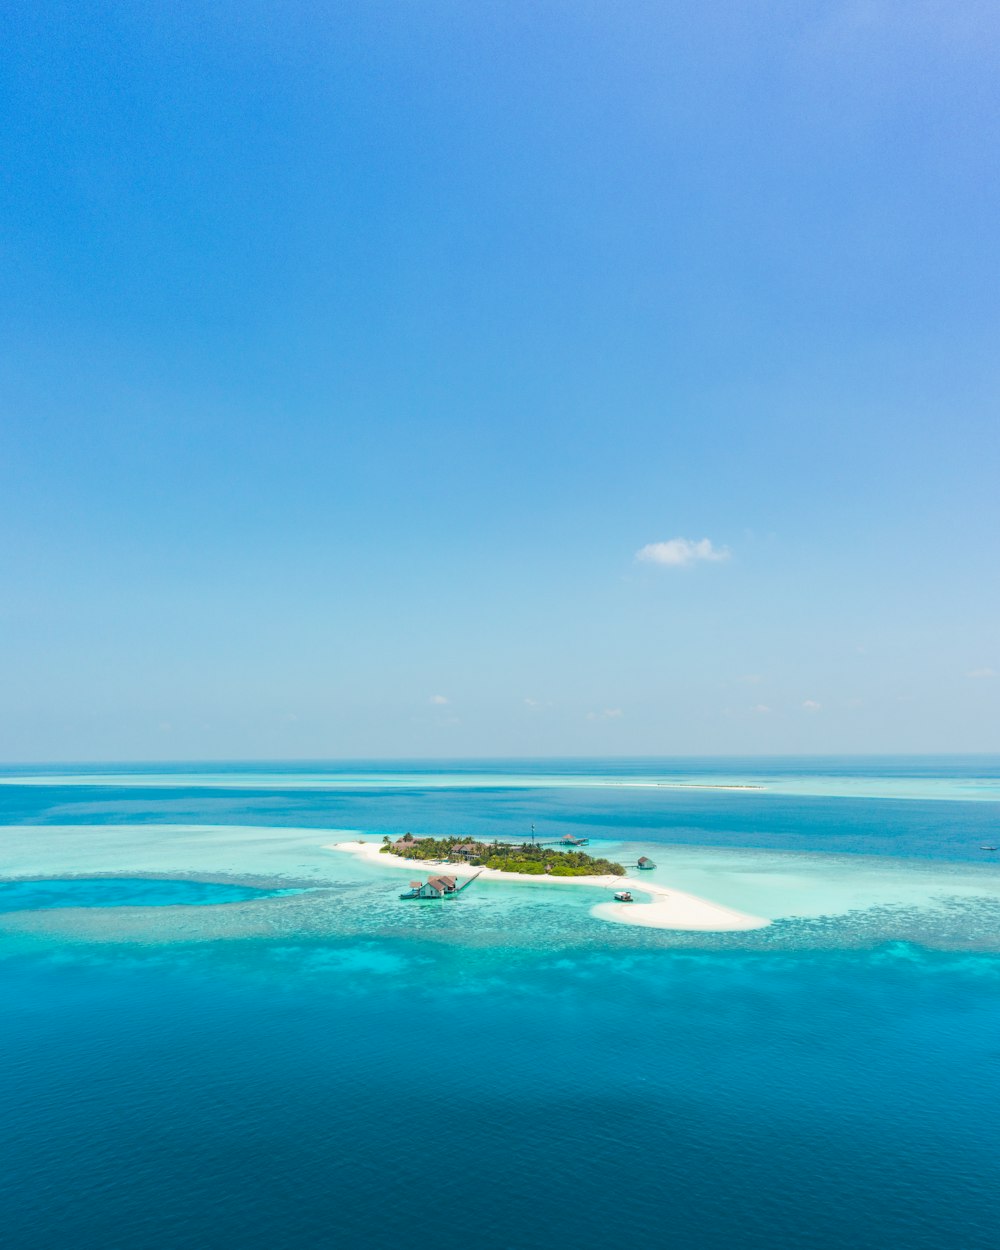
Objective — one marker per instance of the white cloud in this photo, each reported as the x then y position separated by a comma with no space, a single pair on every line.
810,705
678,552
438,700
761,709
609,713
983,672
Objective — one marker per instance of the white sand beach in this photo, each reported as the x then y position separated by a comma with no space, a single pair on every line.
673,909
668,908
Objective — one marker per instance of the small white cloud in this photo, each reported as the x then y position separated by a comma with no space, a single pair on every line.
609,713
751,679
438,700
810,705
983,673
678,552
761,709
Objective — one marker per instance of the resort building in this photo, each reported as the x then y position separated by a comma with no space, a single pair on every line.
438,887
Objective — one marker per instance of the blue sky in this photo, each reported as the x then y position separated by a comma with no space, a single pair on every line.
352,353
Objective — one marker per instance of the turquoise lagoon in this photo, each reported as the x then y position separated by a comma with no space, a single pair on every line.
217,1030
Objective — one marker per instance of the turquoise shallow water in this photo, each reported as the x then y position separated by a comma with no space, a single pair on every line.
968,778
18,896
196,1050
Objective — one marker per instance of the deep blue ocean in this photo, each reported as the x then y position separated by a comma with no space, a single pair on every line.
364,1084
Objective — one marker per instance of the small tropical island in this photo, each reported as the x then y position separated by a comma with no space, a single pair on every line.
528,858
525,863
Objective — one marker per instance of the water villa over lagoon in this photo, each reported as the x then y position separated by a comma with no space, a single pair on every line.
437,887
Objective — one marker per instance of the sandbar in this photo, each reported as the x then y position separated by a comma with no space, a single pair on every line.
668,908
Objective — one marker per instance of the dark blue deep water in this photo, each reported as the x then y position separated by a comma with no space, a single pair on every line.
309,1091
335,1096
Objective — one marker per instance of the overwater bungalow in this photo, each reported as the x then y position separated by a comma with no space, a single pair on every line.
645,863
437,887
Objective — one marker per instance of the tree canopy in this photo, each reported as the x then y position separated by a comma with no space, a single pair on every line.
524,857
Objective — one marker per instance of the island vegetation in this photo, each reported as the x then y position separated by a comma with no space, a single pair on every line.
523,857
